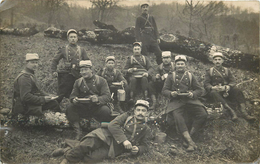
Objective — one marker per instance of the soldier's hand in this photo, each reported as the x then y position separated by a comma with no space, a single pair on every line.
75,100
158,41
134,150
215,88
222,88
127,144
47,98
94,98
130,70
174,94
227,88
145,74
190,95
157,76
55,74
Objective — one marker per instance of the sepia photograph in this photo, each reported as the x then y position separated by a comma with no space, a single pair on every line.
129,81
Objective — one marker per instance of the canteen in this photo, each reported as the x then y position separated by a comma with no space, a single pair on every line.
121,95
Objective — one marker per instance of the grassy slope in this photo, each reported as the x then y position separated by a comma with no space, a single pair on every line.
222,141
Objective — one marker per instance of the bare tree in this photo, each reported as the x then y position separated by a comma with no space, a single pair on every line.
102,6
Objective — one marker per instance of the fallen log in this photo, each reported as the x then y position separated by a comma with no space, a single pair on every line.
203,51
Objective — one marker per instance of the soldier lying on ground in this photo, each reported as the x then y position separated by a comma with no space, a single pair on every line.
71,55
183,90
96,95
161,73
126,133
221,86
113,76
28,98
137,69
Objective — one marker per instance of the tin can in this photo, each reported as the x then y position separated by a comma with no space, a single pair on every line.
121,95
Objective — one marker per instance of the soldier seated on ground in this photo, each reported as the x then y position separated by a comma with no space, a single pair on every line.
28,98
183,89
220,85
114,78
126,133
89,98
161,73
137,69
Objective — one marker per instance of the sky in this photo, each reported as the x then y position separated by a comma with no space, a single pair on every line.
251,5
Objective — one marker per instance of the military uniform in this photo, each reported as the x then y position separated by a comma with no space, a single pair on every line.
222,76
146,32
183,82
28,99
113,76
71,55
143,64
108,142
84,88
156,85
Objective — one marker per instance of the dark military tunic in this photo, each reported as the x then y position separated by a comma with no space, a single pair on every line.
83,88
180,105
146,32
143,64
222,76
156,85
108,142
111,76
71,55
28,98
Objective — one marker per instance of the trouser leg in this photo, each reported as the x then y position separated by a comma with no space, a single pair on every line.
52,105
179,120
65,85
157,52
103,114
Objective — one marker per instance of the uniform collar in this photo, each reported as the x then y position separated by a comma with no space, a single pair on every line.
144,14
73,45
28,70
91,78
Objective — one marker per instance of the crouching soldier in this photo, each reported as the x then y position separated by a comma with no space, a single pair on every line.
89,98
126,133
221,86
161,73
137,68
28,98
183,90
114,78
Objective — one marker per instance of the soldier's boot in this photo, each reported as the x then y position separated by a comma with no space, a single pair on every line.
146,95
154,102
245,114
118,107
233,113
191,145
77,130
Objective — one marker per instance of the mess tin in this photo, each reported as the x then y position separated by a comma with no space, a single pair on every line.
121,95
139,72
183,94
117,83
84,100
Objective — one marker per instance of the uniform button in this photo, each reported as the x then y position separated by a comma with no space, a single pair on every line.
117,141
177,84
186,78
178,89
177,79
223,74
141,128
84,86
85,92
137,133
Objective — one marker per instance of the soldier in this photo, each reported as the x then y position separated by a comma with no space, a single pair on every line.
138,68
183,90
126,133
96,89
161,73
28,98
71,55
221,86
146,32
112,76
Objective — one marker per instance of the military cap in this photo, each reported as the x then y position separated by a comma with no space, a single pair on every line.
145,3
137,44
85,63
217,54
166,54
142,103
180,58
71,31
31,56
110,58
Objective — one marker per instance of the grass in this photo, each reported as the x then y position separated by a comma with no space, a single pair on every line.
222,141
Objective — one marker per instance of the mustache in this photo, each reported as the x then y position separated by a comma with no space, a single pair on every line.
140,115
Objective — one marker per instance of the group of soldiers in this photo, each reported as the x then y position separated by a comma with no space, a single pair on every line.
90,94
